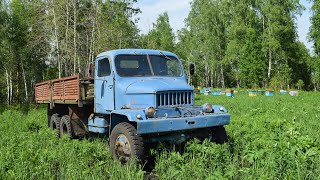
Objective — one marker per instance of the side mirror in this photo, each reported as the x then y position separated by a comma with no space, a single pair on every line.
191,69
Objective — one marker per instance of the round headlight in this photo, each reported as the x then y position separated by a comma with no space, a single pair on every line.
138,116
207,108
150,112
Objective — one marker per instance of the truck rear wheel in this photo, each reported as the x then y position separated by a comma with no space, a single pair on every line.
219,134
126,144
55,123
65,126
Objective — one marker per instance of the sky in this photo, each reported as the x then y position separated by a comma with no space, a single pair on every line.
178,10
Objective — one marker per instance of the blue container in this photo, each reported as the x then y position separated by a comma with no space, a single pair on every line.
202,91
216,93
283,92
252,93
208,90
229,93
269,93
98,125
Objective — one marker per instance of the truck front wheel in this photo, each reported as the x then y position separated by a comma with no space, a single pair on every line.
219,134
126,144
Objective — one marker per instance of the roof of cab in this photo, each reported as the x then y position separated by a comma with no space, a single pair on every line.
135,51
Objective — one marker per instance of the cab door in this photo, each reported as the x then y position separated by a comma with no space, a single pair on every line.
104,86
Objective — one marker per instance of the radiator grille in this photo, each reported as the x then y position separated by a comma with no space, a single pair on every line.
174,98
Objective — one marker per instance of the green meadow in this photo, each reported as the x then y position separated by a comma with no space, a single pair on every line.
268,138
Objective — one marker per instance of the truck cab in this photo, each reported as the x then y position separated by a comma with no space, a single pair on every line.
140,97
148,90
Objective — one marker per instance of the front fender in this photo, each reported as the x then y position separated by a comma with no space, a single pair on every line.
131,114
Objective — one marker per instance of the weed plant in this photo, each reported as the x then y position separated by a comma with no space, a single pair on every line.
269,138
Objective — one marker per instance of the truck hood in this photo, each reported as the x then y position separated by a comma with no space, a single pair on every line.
154,85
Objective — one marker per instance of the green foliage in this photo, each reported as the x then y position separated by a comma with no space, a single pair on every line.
315,27
241,43
38,37
300,84
276,82
314,36
315,72
30,150
161,36
269,138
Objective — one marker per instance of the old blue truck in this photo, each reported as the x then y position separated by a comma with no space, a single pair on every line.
136,97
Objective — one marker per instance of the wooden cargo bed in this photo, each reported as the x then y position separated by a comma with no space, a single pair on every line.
67,90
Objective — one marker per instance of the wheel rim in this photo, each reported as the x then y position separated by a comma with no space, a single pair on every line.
122,148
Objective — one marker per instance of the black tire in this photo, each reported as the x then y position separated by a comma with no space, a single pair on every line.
49,121
126,144
66,127
219,135
55,123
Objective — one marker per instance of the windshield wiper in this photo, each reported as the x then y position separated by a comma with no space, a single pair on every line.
161,53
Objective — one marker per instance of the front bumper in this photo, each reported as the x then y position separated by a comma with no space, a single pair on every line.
160,125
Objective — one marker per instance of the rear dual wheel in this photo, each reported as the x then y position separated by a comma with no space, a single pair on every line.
62,125
54,123
66,126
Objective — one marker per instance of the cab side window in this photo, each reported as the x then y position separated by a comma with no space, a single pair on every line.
104,67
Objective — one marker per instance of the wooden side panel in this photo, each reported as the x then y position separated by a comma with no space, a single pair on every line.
63,90
66,88
42,91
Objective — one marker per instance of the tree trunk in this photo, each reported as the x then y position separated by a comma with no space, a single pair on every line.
270,56
11,89
222,76
17,81
25,83
120,39
269,66
91,50
8,87
238,85
216,78
74,36
79,67
57,41
206,74
66,73
212,78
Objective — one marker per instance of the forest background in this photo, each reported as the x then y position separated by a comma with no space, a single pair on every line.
234,44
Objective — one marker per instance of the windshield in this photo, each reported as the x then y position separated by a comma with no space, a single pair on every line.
147,65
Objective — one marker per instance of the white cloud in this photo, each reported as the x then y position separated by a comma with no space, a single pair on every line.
177,10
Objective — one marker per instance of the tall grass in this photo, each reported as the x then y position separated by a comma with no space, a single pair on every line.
269,138
29,150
